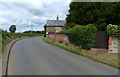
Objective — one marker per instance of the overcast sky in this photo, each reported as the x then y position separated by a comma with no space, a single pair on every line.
22,12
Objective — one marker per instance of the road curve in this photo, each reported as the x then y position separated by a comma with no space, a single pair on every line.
33,56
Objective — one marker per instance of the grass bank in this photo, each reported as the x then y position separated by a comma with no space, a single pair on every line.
7,37
110,59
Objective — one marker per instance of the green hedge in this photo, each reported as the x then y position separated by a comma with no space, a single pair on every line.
113,30
82,36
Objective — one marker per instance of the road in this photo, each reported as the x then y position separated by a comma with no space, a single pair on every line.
33,56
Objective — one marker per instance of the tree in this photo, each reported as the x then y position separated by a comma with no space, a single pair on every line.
12,28
99,13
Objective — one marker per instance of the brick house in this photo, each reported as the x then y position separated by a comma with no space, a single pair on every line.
54,26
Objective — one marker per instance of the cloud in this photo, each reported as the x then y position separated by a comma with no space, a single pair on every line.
34,1
37,11
3,20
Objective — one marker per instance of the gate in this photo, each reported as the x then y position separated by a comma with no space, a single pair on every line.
101,40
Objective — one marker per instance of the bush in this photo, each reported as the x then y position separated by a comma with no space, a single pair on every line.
83,36
113,30
5,34
66,44
60,41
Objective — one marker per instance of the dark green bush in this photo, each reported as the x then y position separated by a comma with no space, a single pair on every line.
60,41
5,34
66,44
83,36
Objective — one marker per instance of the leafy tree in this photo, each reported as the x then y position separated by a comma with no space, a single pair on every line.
67,25
12,28
99,13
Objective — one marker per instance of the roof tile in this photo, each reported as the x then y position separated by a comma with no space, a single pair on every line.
55,22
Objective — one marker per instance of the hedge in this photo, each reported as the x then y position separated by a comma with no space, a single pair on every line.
113,30
82,36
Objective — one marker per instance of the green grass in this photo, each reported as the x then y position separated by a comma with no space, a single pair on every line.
110,59
7,37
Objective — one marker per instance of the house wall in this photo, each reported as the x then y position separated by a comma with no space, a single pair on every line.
53,29
50,29
58,29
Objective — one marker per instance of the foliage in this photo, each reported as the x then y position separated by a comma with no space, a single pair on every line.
98,13
69,25
5,34
41,32
101,26
12,28
110,59
7,37
113,30
60,41
83,36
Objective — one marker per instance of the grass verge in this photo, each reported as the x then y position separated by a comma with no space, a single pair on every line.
110,59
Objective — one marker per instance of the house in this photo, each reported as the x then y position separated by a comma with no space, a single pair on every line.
54,26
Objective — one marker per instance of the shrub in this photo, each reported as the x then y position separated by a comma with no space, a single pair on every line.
5,34
60,41
83,36
113,30
66,44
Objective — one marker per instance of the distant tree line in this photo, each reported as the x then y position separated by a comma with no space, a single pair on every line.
41,32
98,13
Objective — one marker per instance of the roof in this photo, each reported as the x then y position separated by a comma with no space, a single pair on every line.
55,22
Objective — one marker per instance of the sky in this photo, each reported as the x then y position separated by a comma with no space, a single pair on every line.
24,13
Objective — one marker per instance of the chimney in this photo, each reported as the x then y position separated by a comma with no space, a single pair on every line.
57,18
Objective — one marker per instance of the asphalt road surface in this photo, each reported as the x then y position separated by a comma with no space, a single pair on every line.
33,56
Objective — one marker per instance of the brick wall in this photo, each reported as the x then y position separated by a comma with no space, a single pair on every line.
59,37
113,45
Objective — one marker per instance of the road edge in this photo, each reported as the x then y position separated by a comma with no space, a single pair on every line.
7,56
77,54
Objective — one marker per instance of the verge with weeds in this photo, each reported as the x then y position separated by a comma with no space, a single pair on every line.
110,59
7,37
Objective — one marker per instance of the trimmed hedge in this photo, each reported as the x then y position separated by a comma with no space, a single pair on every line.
82,36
